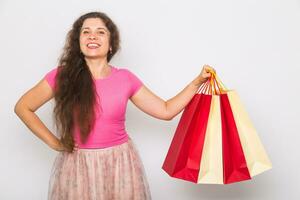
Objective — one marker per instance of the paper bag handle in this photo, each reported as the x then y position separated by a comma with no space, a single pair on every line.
213,85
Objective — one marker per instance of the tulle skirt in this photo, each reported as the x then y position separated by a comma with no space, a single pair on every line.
111,173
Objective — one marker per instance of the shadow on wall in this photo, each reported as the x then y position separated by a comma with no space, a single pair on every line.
259,188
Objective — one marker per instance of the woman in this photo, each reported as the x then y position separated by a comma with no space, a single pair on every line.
97,159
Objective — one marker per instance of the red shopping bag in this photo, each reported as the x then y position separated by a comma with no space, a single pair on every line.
234,162
184,156
206,147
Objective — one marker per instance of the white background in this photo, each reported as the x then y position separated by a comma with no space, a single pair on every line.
253,45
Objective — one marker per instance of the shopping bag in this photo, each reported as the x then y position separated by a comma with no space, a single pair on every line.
212,159
255,154
212,143
234,163
183,160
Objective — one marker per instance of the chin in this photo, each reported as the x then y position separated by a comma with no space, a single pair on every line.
89,56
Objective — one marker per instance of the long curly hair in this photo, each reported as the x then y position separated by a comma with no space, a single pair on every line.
75,94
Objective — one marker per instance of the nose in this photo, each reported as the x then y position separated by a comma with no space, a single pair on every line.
92,36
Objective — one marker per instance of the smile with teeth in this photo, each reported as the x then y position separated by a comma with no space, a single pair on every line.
93,45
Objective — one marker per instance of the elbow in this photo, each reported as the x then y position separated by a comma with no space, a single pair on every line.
168,117
17,108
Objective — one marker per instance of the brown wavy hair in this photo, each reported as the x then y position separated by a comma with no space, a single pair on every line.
75,94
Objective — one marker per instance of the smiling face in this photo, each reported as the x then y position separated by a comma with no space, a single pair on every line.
94,38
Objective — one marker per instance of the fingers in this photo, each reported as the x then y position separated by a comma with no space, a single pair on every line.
209,69
75,147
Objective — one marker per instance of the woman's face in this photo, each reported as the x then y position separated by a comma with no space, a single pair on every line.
94,38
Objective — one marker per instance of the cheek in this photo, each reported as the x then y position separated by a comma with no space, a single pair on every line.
81,43
105,41
106,45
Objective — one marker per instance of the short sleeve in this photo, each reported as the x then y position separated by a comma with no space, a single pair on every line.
50,77
135,82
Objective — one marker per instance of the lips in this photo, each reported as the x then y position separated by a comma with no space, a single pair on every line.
93,45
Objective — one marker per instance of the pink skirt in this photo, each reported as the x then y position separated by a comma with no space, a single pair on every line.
111,173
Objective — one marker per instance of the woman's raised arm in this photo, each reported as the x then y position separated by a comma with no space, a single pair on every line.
156,107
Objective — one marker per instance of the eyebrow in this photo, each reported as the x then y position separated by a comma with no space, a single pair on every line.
97,28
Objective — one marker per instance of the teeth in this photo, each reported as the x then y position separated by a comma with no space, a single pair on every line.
93,45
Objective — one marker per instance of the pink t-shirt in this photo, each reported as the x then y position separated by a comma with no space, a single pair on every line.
114,92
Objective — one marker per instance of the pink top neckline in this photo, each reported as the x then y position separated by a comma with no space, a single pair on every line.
112,72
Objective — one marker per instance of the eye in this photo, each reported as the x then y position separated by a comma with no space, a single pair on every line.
85,32
102,32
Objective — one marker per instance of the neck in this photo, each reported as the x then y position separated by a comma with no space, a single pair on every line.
97,66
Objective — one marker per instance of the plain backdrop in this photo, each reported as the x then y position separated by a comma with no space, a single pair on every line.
254,46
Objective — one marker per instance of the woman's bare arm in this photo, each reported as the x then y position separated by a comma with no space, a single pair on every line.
153,105
25,109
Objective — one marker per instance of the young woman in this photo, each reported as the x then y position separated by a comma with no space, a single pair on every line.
97,159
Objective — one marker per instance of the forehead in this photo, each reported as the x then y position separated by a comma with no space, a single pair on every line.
93,23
